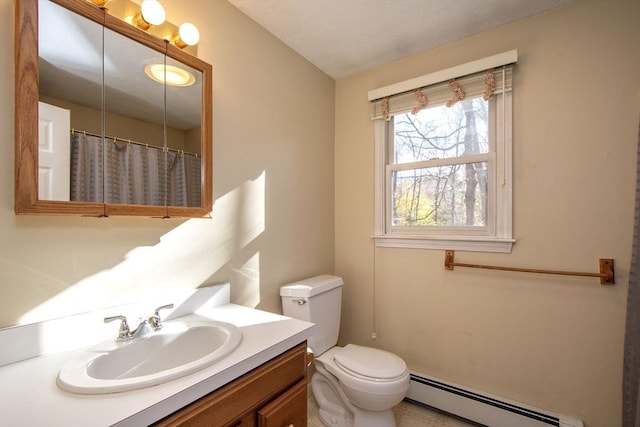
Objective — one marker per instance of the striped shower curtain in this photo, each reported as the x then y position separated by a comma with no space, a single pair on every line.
135,174
631,370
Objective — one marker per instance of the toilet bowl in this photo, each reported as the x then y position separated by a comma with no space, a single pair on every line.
362,391
354,386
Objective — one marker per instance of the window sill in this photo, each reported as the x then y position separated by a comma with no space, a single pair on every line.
472,244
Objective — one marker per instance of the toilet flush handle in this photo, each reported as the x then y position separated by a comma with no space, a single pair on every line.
300,301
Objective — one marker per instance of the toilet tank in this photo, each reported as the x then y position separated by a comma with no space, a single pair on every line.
318,300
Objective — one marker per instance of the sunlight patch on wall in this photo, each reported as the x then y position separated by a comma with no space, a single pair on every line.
247,282
184,258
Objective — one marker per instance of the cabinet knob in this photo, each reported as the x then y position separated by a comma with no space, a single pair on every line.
291,425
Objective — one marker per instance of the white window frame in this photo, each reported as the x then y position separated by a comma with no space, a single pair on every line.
497,235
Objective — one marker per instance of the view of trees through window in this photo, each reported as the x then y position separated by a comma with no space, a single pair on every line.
434,182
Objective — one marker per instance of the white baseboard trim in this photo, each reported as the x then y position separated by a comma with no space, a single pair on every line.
482,407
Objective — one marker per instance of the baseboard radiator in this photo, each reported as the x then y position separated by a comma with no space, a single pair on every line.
481,407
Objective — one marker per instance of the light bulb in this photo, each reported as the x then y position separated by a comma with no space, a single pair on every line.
189,34
152,12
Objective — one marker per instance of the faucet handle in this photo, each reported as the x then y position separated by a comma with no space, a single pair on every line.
155,321
157,312
124,332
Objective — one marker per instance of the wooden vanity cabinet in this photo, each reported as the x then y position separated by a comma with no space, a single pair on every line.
289,409
272,395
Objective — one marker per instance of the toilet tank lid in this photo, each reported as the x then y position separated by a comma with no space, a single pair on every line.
311,286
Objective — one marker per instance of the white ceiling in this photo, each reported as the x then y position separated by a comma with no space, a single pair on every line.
344,37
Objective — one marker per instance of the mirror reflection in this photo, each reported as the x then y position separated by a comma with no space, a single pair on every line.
70,64
111,131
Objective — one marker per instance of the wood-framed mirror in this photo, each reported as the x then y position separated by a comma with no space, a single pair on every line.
95,134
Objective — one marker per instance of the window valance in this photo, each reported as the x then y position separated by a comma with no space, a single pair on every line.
486,77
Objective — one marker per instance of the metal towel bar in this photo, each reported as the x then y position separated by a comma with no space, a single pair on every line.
606,274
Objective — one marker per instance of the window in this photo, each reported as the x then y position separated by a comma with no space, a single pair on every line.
443,160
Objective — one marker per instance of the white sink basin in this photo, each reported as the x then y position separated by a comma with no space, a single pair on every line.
178,349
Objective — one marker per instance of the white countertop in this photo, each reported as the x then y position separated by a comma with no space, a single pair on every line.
29,396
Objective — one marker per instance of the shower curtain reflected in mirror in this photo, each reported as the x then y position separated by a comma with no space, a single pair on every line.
135,173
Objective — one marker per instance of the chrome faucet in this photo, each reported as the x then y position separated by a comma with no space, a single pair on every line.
143,329
146,327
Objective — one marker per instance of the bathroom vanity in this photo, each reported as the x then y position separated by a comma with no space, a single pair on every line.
261,383
275,394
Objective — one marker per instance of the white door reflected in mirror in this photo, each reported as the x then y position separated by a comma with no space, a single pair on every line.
54,152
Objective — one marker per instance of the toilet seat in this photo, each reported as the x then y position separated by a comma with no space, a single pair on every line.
369,363
354,381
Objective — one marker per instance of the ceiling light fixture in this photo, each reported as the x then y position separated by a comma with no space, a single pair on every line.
174,76
188,35
151,13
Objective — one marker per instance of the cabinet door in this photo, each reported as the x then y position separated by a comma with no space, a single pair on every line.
236,403
288,410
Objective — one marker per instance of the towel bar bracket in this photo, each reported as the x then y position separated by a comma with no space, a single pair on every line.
606,274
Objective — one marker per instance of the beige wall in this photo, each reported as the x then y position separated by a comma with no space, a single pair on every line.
273,190
555,343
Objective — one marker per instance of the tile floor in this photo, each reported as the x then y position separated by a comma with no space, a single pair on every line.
407,415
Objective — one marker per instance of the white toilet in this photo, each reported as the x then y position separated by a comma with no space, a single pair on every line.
354,386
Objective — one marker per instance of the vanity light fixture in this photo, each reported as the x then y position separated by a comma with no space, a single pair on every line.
188,35
150,16
175,76
151,13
